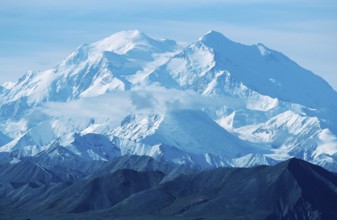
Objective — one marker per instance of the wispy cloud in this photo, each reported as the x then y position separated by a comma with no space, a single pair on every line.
150,100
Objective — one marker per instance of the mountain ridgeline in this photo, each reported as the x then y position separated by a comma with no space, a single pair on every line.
139,187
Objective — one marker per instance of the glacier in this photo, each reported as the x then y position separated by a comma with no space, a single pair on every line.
211,103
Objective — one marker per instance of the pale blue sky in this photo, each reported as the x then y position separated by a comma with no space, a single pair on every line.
37,34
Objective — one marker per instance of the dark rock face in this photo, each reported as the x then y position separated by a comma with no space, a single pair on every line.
293,189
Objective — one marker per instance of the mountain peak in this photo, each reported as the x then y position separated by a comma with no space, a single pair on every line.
213,38
213,33
123,41
130,34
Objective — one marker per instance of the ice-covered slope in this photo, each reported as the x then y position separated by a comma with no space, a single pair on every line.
195,132
214,102
189,131
30,143
295,135
269,72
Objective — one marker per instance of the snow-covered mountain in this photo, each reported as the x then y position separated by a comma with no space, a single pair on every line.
211,103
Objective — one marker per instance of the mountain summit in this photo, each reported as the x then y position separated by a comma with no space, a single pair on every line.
214,102
126,41
214,38
270,72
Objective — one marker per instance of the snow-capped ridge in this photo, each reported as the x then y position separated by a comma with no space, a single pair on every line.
251,160
79,55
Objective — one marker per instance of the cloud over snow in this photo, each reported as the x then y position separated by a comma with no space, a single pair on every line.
118,105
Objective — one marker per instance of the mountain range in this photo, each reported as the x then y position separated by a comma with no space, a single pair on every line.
132,127
139,187
210,103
